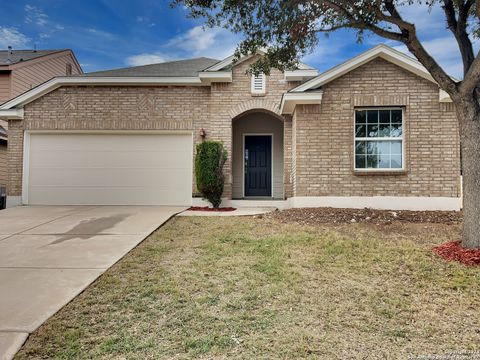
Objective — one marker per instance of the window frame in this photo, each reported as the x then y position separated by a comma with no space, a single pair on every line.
379,139
264,84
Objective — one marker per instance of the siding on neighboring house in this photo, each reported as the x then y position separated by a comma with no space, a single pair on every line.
4,87
34,72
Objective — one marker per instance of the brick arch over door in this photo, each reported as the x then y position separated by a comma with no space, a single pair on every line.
256,105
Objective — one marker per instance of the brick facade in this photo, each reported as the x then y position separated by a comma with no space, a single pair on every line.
148,108
324,137
318,139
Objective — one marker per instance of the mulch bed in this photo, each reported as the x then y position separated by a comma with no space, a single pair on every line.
453,251
312,216
206,208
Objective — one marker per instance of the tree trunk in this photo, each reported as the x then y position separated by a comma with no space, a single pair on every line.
468,113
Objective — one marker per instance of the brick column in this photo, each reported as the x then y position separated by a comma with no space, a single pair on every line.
15,158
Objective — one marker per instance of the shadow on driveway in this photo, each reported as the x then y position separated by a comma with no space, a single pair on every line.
87,229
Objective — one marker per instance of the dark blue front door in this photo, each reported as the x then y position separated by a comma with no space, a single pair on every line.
258,165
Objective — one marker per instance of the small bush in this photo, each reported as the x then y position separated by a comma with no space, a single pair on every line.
209,161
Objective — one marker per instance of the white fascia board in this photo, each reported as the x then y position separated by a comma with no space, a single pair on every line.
290,100
11,114
443,96
221,64
209,77
229,61
383,51
57,82
299,75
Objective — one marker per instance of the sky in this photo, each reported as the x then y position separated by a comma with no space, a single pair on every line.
108,34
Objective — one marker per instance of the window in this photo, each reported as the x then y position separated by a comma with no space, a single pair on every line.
379,139
258,84
68,69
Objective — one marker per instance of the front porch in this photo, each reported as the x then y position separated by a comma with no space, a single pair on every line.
258,156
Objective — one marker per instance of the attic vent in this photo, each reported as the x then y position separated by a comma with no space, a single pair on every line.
258,84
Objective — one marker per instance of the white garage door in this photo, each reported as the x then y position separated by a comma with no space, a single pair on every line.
109,169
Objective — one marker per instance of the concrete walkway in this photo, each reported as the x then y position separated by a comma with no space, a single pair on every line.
49,254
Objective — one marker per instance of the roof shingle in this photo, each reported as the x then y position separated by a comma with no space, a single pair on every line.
180,68
23,55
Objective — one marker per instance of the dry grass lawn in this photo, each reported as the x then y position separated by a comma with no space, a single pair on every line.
223,288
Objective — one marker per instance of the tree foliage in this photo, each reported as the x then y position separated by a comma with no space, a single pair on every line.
209,161
289,29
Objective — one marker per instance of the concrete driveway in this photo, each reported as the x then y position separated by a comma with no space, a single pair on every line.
49,254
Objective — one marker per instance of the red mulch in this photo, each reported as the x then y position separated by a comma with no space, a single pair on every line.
453,251
206,208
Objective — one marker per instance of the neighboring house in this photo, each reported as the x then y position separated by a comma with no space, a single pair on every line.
375,131
22,70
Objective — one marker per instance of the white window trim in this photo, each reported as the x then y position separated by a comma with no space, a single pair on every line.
264,84
402,139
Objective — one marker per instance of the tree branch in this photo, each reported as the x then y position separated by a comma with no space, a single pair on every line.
472,78
458,26
440,76
408,36
361,24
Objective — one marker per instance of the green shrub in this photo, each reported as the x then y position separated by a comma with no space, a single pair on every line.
211,156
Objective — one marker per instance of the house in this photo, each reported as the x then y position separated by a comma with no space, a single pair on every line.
20,71
375,131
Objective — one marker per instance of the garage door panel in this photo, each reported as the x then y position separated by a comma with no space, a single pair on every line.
114,142
119,159
110,169
102,196
73,177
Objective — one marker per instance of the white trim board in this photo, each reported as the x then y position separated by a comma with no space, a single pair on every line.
12,114
290,100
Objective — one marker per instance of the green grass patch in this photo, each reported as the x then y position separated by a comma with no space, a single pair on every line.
256,288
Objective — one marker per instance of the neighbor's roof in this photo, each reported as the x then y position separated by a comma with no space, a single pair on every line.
180,68
18,56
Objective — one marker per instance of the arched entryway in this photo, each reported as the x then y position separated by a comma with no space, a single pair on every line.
258,155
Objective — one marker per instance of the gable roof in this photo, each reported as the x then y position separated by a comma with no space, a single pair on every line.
10,57
310,92
191,72
228,63
380,51
189,67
